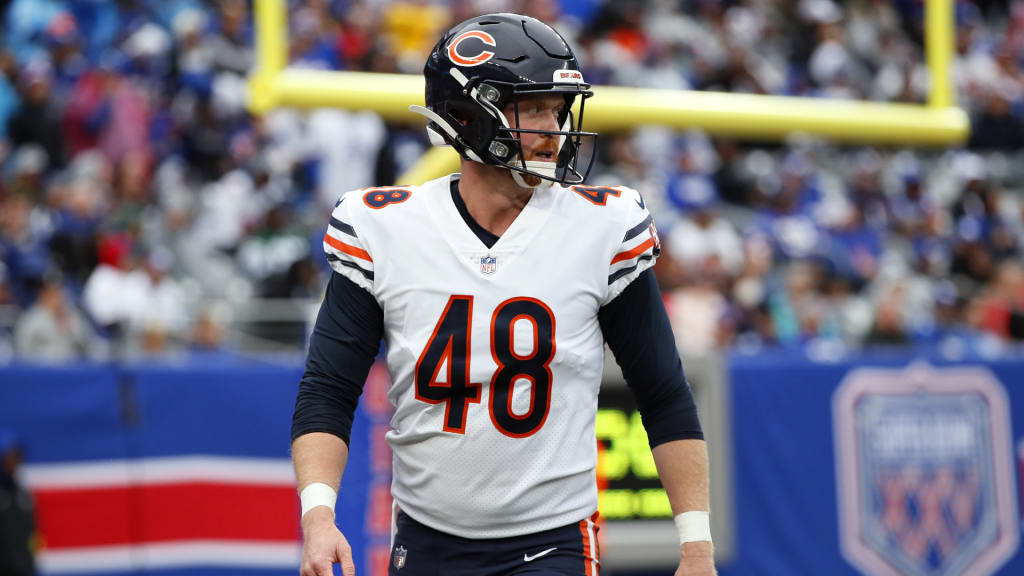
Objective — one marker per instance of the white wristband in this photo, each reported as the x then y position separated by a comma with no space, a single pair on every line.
317,494
693,526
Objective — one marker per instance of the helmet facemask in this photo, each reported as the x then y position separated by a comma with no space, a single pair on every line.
574,152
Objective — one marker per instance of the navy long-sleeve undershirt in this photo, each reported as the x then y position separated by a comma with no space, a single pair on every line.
344,343
636,328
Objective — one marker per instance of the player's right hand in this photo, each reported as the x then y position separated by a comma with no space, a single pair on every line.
324,545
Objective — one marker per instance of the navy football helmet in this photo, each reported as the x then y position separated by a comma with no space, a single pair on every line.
487,62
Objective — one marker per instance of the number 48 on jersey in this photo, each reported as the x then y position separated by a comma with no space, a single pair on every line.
450,346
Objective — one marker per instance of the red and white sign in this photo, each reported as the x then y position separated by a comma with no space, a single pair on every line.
130,515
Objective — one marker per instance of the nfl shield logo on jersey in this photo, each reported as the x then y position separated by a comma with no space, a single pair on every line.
924,467
399,557
488,264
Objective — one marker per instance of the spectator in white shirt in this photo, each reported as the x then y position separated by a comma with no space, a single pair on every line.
51,330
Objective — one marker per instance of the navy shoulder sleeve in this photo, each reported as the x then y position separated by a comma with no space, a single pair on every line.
342,347
638,332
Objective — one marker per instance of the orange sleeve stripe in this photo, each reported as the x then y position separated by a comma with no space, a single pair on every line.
634,252
342,247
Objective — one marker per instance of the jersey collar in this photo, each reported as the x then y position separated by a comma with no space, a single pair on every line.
465,242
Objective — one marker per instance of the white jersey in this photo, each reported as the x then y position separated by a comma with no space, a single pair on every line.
495,354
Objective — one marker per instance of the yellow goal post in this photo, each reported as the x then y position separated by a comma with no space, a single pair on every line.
939,122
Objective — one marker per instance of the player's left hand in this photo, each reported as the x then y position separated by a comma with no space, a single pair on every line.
696,559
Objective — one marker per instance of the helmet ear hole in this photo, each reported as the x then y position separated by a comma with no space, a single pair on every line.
472,122
460,116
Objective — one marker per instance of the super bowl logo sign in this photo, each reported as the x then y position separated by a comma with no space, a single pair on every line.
924,466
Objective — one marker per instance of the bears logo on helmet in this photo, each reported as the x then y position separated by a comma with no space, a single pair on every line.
480,58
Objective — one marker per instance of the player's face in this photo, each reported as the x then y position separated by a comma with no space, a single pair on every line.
539,112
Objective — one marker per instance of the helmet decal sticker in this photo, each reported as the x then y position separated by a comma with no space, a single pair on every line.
477,59
568,76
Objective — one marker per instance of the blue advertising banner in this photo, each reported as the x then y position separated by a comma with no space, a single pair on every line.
879,466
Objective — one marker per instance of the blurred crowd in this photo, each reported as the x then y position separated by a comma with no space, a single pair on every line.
140,200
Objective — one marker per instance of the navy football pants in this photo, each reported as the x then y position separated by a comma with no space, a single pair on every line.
567,551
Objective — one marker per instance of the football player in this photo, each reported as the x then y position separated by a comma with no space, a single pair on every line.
495,290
